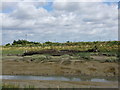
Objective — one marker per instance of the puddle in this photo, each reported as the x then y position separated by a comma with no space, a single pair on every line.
56,78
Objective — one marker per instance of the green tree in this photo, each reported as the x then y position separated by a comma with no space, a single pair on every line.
7,44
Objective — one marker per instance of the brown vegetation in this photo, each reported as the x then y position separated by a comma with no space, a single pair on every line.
65,67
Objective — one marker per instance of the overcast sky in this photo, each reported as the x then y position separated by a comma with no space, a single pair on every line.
59,21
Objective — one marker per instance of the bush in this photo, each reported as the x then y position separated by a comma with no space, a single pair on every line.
84,55
111,60
39,57
7,44
65,56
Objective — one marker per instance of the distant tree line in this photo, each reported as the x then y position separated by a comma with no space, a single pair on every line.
68,43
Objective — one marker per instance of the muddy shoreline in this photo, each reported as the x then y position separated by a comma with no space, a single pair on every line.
89,68
61,84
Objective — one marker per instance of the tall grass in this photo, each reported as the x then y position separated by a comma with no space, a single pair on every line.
20,50
16,86
5,85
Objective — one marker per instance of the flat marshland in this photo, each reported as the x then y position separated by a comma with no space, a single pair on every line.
98,59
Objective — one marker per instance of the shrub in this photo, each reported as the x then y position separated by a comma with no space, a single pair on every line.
39,57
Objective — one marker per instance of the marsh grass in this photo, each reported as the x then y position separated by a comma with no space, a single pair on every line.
39,57
112,59
6,85
101,46
16,86
104,49
12,52
29,86
84,55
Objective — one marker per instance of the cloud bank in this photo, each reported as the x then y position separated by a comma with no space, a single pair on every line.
59,21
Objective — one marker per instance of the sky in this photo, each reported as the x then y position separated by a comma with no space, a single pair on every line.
58,21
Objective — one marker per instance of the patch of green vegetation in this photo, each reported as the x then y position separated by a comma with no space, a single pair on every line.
29,86
27,58
39,57
65,56
12,52
112,59
84,55
6,86
44,57
10,86
12,58
102,46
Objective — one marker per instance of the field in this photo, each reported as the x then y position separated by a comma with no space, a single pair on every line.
95,59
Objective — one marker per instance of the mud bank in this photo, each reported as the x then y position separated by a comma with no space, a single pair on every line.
61,84
64,68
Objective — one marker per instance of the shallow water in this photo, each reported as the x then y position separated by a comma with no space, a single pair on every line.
56,78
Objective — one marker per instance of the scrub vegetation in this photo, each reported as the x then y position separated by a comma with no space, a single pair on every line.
99,58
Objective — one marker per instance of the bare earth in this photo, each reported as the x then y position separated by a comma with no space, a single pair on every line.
91,68
61,84
68,68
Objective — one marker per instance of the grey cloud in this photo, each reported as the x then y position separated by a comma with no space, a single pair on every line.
85,21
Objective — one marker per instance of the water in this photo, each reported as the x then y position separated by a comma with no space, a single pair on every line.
56,78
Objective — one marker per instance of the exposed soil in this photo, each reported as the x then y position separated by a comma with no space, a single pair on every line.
61,84
64,67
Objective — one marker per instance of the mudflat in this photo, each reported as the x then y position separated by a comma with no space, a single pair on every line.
15,65
61,84
71,67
